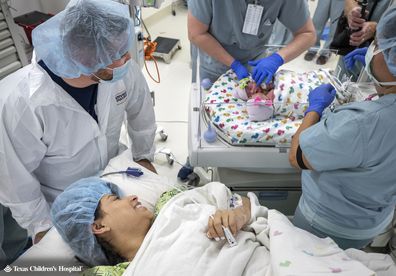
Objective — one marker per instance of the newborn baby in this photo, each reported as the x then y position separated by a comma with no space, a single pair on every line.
259,98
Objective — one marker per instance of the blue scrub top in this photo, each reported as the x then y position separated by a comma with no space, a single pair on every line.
351,193
225,19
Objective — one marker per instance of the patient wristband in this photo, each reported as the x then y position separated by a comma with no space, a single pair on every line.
235,201
300,160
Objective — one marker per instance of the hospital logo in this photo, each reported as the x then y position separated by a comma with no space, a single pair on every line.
121,97
8,269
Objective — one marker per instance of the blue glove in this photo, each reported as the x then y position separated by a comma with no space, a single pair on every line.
265,68
320,98
239,70
351,58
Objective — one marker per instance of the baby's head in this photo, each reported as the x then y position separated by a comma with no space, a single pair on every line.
247,89
94,221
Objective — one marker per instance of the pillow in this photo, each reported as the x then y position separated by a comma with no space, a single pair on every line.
147,187
52,249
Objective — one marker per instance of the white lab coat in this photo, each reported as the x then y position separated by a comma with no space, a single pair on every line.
48,141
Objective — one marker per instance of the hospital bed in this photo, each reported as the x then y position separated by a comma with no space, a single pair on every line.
53,253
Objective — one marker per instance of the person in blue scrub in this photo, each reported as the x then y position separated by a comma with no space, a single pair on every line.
348,157
233,34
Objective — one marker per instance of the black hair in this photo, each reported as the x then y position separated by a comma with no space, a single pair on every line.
111,255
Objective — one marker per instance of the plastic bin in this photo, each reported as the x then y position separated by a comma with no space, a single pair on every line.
31,20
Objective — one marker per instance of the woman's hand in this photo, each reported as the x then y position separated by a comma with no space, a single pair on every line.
233,219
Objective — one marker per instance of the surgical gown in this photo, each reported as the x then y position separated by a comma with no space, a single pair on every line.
48,141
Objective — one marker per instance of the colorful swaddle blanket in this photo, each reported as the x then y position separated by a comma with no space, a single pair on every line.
229,114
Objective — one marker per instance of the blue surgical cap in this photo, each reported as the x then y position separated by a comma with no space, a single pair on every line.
73,213
85,37
386,37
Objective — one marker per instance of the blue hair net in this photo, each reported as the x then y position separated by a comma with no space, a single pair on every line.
85,37
386,37
73,213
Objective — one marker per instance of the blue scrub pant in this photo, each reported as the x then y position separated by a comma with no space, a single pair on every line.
325,10
13,238
300,221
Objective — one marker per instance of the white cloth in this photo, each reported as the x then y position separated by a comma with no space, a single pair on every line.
177,244
48,141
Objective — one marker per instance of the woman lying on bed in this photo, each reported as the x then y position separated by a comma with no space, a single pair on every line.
103,228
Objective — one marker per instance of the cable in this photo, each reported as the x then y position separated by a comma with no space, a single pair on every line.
148,32
137,15
136,172
149,49
156,67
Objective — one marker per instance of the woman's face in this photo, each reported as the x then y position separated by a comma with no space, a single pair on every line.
125,216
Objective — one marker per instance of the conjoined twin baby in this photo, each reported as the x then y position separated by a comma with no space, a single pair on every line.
259,98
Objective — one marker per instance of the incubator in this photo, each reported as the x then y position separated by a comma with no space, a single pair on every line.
253,155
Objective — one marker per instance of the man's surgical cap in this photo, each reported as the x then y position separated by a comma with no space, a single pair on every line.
73,213
386,37
85,37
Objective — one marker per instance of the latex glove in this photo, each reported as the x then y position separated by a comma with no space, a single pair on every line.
239,70
356,55
265,68
320,98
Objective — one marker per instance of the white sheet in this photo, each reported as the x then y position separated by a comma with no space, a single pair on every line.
52,249
178,224
270,245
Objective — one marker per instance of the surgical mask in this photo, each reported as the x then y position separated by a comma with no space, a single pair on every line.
371,52
118,73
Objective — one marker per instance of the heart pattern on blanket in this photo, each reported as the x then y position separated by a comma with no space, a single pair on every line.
285,263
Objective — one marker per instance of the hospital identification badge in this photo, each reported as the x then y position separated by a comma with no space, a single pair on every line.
252,19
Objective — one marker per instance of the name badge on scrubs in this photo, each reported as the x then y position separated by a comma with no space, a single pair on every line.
252,19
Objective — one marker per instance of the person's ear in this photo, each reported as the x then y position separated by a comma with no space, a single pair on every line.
99,229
